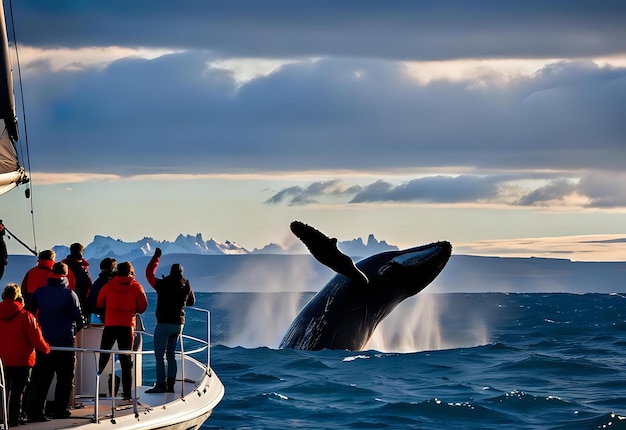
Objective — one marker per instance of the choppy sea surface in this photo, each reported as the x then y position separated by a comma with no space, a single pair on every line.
440,361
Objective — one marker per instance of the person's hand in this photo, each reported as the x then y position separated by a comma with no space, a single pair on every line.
157,252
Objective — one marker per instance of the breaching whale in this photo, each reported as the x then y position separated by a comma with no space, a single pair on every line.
345,313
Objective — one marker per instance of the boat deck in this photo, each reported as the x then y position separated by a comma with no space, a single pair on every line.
197,389
110,410
187,408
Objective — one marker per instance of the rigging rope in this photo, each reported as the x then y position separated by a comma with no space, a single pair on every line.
29,193
18,239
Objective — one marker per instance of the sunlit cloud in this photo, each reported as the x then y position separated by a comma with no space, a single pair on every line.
246,69
322,109
44,178
68,59
591,190
494,70
297,195
501,70
601,247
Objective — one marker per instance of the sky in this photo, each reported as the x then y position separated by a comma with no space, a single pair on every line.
496,125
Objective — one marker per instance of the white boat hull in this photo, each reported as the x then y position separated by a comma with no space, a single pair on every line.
197,391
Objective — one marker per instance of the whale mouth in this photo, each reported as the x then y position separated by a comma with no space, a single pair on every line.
434,256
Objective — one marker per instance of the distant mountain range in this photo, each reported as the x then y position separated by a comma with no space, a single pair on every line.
105,246
271,273
227,267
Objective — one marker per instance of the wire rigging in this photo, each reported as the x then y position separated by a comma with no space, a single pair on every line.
18,239
29,192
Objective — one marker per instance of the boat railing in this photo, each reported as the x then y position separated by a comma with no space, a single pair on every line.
3,388
204,346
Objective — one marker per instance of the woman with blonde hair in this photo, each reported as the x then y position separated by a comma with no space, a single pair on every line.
19,336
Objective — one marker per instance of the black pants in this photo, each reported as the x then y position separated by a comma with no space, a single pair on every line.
16,379
124,337
61,363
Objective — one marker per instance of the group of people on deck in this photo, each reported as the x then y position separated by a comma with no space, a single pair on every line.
39,321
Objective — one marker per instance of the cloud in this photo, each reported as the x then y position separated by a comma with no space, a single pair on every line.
173,114
440,189
405,30
431,189
585,247
34,59
605,190
42,178
554,191
297,195
231,88
590,190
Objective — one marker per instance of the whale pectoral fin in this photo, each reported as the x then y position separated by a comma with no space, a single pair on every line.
325,250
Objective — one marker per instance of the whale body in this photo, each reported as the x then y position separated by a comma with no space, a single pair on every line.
345,313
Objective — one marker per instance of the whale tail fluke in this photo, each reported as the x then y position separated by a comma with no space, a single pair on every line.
325,250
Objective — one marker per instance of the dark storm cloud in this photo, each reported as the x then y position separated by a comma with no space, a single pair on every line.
173,114
405,29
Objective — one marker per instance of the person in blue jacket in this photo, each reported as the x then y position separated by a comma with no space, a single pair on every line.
59,315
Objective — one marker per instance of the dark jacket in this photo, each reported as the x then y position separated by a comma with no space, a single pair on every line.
79,278
92,297
58,311
173,294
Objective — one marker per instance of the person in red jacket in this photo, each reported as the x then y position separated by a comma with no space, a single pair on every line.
19,336
38,275
121,298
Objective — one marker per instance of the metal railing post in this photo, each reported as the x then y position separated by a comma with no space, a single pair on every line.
112,388
96,399
208,340
134,364
182,364
5,418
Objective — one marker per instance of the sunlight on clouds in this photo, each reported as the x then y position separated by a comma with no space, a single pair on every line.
613,61
70,178
42,178
83,58
503,70
600,247
420,189
247,69
489,70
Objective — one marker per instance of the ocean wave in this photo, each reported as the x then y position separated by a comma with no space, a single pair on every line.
531,374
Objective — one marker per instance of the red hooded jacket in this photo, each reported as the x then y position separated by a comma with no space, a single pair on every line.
121,298
19,335
36,277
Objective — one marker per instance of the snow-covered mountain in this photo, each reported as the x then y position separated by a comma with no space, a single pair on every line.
356,247
106,246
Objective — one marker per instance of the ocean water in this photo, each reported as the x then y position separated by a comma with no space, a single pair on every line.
440,361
